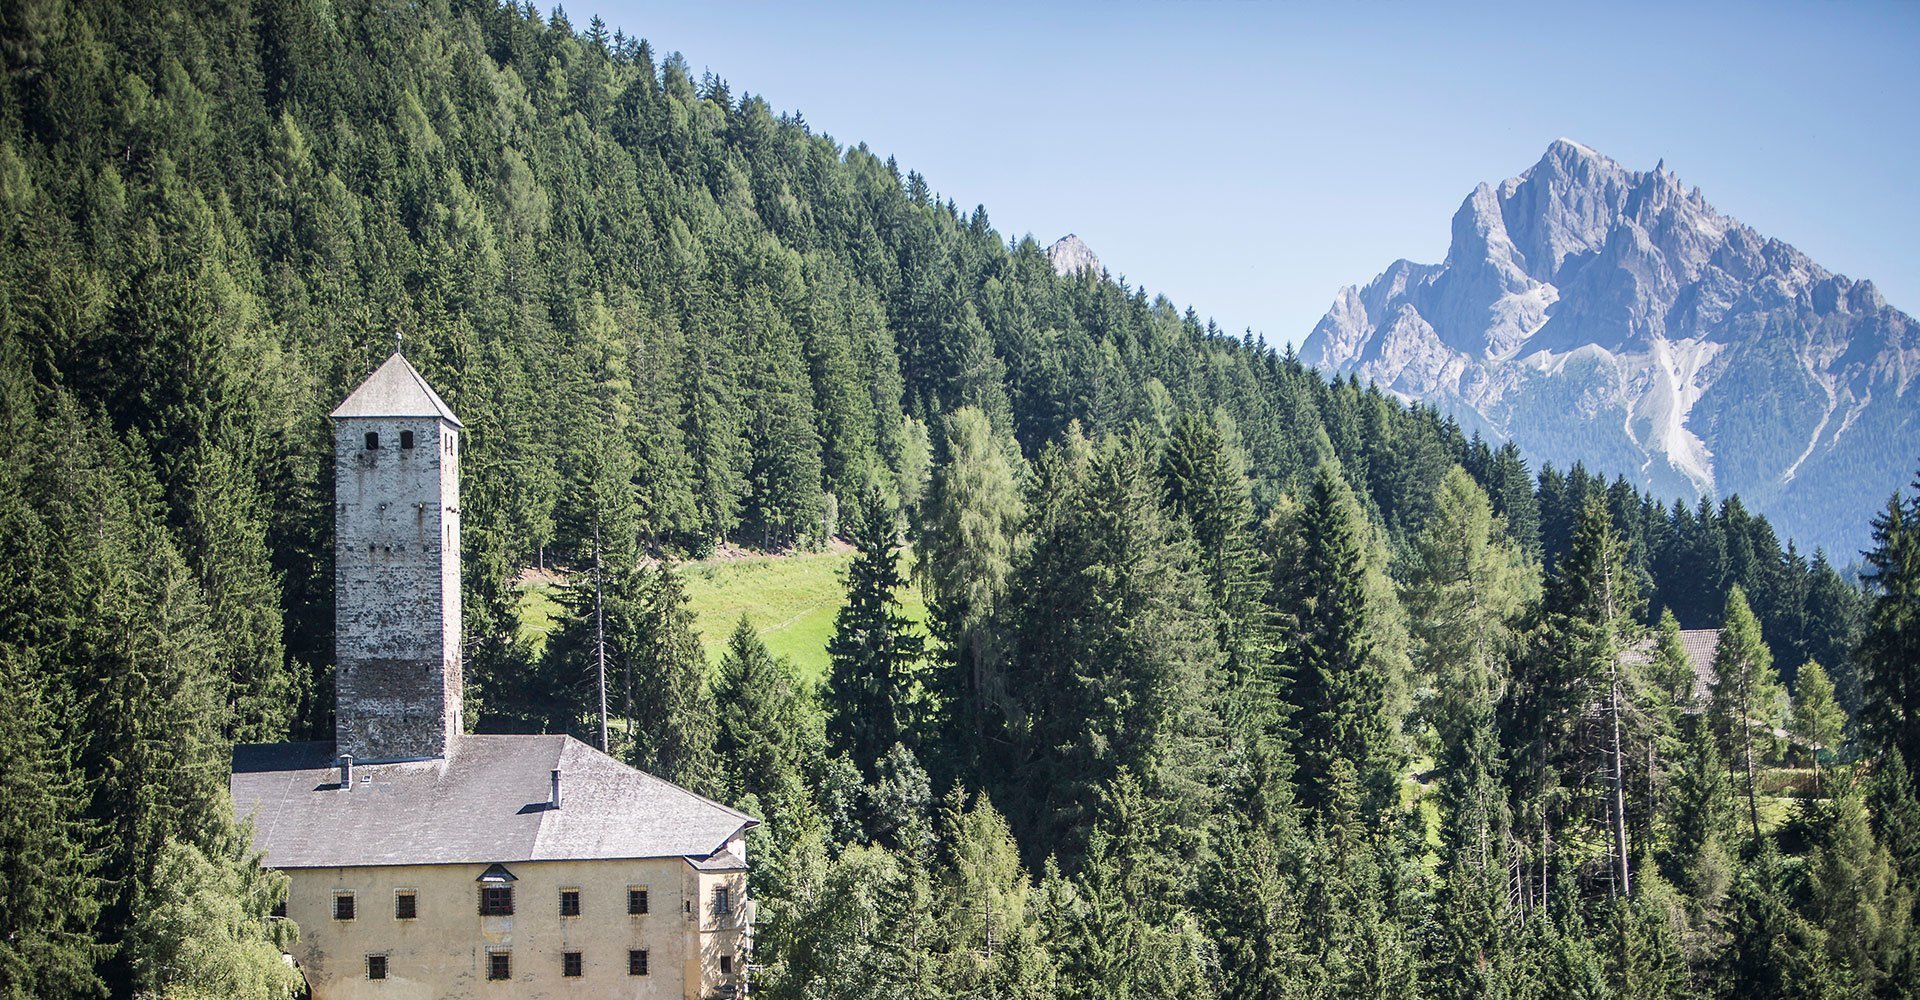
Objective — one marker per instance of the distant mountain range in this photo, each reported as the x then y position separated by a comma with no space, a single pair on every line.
1594,313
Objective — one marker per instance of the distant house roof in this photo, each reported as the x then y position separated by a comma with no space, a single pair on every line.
485,802
395,389
1700,645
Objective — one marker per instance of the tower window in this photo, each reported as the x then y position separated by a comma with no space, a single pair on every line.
376,966
726,965
637,962
500,965
569,902
373,440
570,964
406,439
636,899
343,906
722,900
406,906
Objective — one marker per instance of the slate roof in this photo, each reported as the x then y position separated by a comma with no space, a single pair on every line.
395,389
1700,645
485,802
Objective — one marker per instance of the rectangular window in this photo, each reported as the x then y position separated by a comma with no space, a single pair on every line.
569,902
376,966
406,906
280,908
406,439
343,906
636,900
373,440
496,901
722,900
726,965
637,962
499,965
570,964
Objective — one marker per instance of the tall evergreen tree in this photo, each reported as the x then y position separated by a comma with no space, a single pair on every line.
1889,653
1339,692
876,650
1746,696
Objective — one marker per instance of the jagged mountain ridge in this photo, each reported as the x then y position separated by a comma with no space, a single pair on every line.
1593,313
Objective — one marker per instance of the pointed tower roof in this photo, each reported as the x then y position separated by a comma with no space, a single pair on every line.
395,389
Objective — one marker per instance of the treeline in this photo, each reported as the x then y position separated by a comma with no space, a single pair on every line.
1237,681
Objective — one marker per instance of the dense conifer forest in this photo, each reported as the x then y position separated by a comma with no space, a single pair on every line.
1236,681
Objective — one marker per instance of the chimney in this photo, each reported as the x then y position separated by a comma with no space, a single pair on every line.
346,771
553,801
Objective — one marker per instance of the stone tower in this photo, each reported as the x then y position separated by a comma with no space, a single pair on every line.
396,526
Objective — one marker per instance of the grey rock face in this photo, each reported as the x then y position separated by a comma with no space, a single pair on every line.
1071,255
1598,314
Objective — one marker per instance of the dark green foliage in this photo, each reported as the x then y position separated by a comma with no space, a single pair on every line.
1339,690
876,651
1889,653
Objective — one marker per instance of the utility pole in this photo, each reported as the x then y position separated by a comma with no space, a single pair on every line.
600,633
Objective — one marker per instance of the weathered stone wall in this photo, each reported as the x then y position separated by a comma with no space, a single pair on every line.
396,588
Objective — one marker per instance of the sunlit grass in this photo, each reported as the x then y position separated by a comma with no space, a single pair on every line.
790,600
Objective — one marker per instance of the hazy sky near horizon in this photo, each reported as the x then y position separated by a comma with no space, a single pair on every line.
1249,158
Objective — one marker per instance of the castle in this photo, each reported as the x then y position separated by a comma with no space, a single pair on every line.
426,862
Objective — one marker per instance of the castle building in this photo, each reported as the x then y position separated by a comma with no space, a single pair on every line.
425,862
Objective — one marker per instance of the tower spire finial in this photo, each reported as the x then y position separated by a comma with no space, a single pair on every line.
397,337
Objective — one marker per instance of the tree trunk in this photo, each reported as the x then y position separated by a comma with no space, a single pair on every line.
1753,801
1619,796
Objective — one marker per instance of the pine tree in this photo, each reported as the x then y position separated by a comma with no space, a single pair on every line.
1859,899
991,934
663,677
875,649
1467,592
1339,689
1889,653
1746,695
963,558
1818,721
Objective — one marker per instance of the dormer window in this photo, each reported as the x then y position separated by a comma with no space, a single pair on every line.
406,439
373,440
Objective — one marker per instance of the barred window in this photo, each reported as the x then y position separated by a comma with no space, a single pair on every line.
636,900
343,906
496,901
376,966
570,964
637,962
569,902
406,906
500,965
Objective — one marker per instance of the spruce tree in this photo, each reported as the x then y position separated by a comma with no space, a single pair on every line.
876,651
1339,691
1889,653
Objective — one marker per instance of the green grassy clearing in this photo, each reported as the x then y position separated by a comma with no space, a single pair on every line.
790,599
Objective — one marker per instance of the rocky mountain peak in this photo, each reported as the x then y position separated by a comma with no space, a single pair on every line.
1071,255
1599,314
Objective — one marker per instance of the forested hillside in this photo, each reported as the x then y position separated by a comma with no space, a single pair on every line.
1236,681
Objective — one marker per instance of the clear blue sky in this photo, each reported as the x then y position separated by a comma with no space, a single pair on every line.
1249,158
